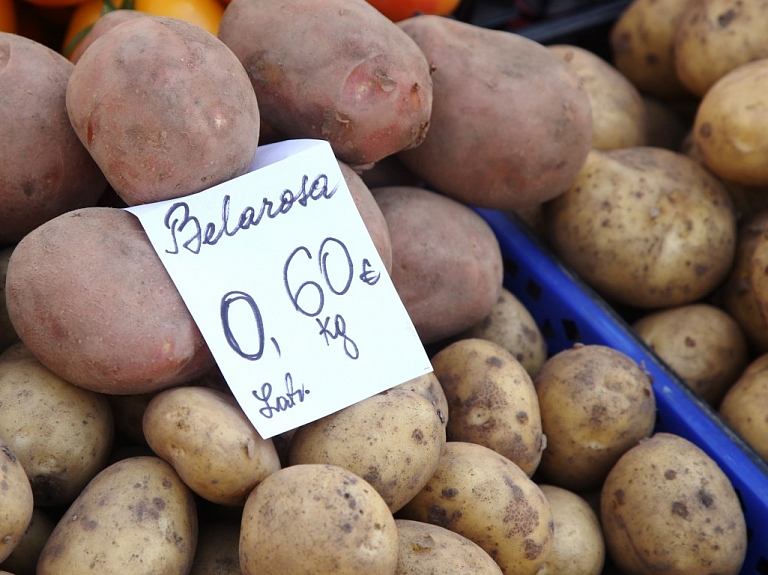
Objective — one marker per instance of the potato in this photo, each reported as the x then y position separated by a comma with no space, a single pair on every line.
210,442
371,214
46,171
393,440
446,261
89,296
7,333
218,548
739,297
743,407
701,343
579,547
712,37
316,519
104,24
135,516
16,500
426,549
23,558
128,413
618,111
164,108
511,122
429,386
667,507
61,433
729,125
645,227
492,400
483,496
596,403
366,89
512,326
642,45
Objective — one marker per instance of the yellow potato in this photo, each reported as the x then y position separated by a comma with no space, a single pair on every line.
702,344
642,46
743,406
16,502
645,227
618,112
595,403
579,547
210,442
712,37
23,559
427,549
492,400
428,386
730,125
667,507
512,326
393,440
739,297
136,516
483,496
316,519
61,433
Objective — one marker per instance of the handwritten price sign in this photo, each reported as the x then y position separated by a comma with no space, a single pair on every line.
287,288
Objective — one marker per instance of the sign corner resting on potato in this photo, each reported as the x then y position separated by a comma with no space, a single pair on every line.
287,288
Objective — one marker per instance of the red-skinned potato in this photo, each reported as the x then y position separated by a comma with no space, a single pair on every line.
368,91
511,122
446,261
165,109
46,171
89,296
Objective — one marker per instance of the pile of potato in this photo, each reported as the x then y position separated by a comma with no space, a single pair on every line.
124,450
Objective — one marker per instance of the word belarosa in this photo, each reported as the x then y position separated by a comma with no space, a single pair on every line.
189,233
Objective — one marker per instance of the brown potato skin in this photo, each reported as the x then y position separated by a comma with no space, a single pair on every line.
374,220
46,170
89,296
666,507
164,108
23,558
101,27
511,122
368,92
446,260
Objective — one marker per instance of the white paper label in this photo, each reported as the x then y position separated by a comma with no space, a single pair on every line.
284,282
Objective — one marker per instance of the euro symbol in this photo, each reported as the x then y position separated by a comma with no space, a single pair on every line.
369,275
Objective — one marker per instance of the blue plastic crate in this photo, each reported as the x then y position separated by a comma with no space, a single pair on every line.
567,311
